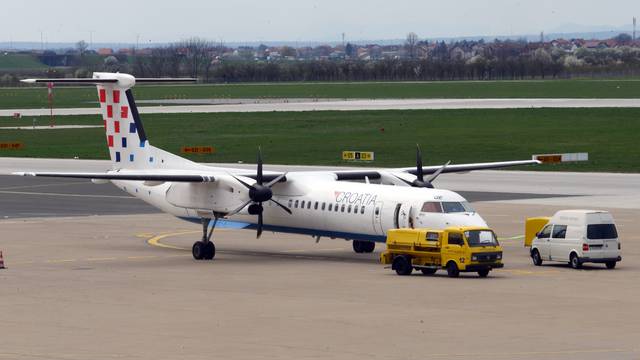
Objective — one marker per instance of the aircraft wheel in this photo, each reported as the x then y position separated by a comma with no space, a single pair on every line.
209,250
368,246
198,250
357,246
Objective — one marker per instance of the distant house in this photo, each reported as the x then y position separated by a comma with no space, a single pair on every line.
105,51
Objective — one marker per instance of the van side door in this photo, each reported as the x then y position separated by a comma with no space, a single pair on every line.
559,247
542,242
454,249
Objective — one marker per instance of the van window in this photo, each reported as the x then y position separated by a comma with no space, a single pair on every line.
545,233
559,231
455,239
601,231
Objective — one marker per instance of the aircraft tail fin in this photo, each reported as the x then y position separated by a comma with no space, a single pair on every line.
126,138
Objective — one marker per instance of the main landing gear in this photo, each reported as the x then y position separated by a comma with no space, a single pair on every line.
360,246
204,249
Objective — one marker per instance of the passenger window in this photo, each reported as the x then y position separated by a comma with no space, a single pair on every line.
455,239
349,209
545,233
309,205
377,211
342,209
323,205
362,210
330,207
336,208
302,204
296,204
290,203
559,231
315,207
431,207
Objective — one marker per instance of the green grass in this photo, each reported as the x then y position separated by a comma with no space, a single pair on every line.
609,135
19,62
33,97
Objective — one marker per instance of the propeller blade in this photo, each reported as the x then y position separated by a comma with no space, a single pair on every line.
438,172
403,180
239,208
259,225
419,173
274,181
259,177
283,207
242,182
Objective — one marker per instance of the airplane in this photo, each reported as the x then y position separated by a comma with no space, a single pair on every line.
356,205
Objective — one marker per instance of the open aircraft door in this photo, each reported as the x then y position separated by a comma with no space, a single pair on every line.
404,216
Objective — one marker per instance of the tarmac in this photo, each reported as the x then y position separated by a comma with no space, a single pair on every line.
253,105
95,285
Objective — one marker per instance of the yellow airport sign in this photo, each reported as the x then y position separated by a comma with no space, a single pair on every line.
11,146
358,155
198,150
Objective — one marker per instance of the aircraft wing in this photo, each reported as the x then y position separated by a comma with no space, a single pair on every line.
377,173
162,176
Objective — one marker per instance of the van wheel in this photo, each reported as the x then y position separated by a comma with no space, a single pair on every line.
428,271
611,264
574,261
535,256
452,269
402,265
483,273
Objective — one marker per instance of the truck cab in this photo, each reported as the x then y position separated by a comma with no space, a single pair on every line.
455,249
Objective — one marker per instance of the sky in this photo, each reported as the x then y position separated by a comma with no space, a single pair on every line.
132,21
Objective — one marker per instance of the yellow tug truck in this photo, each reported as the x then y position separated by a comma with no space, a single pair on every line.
455,249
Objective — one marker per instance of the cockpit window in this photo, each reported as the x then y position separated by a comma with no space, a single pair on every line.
456,207
431,207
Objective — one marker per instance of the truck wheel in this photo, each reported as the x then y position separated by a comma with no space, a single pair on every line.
611,264
483,273
574,261
535,257
452,269
402,265
428,271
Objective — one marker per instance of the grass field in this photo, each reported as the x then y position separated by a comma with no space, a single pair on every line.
34,97
609,135
19,62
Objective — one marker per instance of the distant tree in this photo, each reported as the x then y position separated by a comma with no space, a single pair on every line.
82,47
288,51
351,50
111,64
197,53
623,39
411,44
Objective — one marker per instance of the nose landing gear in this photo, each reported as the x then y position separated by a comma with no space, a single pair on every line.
205,249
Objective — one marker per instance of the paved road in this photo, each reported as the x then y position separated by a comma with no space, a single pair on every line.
94,288
351,105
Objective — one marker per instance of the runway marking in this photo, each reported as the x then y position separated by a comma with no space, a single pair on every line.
306,250
155,241
60,194
42,185
60,261
517,237
102,259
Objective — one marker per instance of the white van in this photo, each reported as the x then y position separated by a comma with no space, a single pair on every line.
577,237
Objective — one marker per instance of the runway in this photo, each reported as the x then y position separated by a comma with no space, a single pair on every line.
351,105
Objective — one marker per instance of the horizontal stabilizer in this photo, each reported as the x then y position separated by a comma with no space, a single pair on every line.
134,176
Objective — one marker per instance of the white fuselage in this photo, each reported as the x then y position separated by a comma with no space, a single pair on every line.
320,207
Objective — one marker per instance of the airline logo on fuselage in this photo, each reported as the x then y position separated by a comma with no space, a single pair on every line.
355,198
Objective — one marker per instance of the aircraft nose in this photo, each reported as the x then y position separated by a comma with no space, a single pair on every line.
468,219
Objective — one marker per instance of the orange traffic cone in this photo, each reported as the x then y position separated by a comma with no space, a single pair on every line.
2,261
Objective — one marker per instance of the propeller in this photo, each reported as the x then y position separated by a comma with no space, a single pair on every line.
259,193
420,182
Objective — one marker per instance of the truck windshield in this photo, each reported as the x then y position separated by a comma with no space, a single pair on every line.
456,207
481,238
601,231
